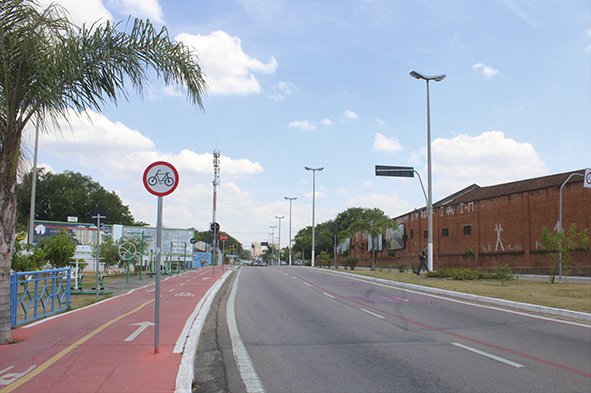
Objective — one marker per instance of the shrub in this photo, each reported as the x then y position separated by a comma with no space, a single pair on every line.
351,262
402,267
460,274
504,273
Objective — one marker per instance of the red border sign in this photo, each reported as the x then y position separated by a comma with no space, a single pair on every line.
223,237
161,178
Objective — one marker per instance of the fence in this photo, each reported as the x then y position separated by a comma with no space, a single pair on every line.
35,295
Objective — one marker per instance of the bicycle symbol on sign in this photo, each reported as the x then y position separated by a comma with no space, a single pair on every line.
159,178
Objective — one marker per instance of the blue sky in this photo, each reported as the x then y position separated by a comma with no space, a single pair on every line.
326,84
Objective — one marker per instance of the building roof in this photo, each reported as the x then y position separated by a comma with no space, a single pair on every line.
475,193
516,187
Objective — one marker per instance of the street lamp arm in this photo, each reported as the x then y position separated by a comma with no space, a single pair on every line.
436,78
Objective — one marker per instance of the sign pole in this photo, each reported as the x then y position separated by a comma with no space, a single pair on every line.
158,261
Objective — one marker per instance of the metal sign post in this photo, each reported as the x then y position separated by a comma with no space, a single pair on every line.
97,214
160,179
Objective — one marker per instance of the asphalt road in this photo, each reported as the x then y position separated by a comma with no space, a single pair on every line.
312,331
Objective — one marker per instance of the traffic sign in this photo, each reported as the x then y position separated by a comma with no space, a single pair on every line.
215,227
223,237
395,171
587,182
193,240
161,178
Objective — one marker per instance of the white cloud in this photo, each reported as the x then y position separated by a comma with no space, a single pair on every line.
487,71
381,122
286,88
350,114
304,125
490,158
367,183
383,143
390,204
327,122
228,69
80,12
149,9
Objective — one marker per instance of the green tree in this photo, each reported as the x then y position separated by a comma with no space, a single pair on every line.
69,194
48,66
373,222
563,244
26,257
58,249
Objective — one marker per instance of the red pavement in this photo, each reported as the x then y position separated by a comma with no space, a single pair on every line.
85,350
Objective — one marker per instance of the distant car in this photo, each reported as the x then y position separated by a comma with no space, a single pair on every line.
282,263
298,262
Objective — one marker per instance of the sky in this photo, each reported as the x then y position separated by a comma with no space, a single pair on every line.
326,84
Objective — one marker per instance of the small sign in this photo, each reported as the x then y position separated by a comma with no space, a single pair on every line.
161,178
215,227
72,219
223,237
587,182
193,241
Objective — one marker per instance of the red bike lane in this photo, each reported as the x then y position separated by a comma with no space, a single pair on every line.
109,346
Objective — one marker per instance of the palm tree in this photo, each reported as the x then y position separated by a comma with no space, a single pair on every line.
48,66
373,222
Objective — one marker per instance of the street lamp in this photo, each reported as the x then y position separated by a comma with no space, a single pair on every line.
279,245
313,205
290,200
273,243
436,78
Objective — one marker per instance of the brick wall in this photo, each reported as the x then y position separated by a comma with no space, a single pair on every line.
504,229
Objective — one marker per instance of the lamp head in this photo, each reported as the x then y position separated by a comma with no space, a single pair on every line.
436,78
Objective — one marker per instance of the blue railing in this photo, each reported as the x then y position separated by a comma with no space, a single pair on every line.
35,295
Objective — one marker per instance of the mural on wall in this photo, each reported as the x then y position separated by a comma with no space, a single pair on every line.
395,238
499,246
83,234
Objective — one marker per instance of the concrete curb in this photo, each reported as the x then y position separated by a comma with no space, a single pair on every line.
482,299
186,373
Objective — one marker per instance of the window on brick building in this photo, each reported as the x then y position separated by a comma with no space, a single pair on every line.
412,233
444,232
467,229
426,234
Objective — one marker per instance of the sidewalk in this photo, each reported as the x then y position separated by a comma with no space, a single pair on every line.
111,345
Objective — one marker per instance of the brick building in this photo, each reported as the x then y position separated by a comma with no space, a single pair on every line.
493,225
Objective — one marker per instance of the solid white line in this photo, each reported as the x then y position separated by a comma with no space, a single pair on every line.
329,295
250,377
488,355
305,283
373,313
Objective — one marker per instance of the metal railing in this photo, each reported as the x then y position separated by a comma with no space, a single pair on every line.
34,295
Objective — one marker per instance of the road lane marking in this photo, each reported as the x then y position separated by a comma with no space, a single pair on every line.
488,355
64,352
250,377
172,290
373,313
305,283
142,327
329,295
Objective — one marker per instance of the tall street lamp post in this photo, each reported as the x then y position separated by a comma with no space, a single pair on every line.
273,243
313,206
279,245
290,200
436,78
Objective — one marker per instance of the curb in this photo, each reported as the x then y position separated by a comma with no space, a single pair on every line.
483,299
186,373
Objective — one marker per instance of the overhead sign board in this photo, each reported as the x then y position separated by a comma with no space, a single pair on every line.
395,171
161,178
587,182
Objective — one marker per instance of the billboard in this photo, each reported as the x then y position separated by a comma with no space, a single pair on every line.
395,238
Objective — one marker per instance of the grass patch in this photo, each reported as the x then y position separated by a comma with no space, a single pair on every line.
571,296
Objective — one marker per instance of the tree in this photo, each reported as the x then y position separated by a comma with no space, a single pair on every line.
373,222
563,244
69,194
58,249
48,66
26,257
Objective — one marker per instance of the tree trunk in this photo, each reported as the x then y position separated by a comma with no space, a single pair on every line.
7,225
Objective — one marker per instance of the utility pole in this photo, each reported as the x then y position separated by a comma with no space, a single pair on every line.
216,182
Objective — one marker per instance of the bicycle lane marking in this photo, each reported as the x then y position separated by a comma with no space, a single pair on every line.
64,352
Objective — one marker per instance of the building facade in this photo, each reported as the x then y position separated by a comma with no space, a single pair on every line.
484,227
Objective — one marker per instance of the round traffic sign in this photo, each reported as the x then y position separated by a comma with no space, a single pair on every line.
223,237
161,178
